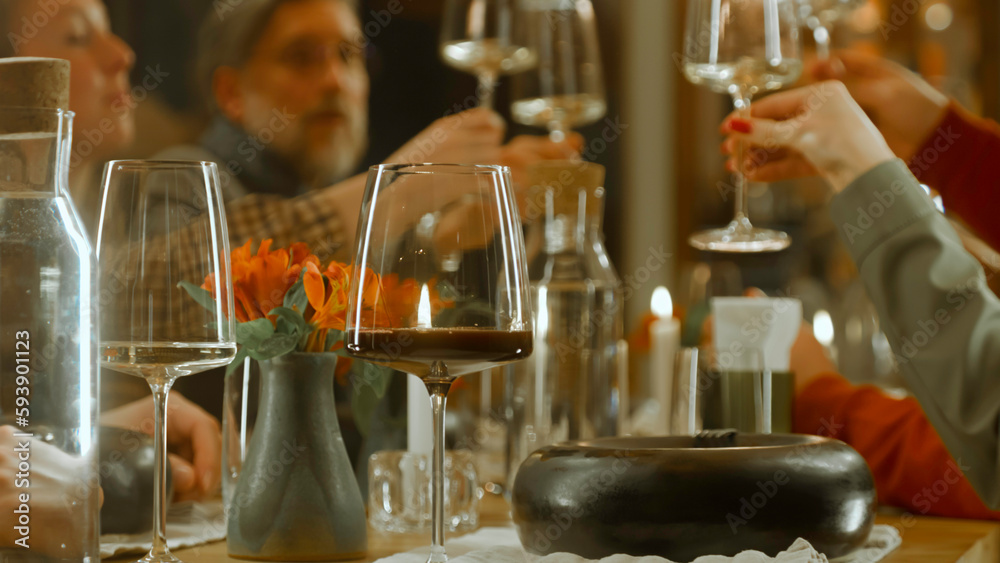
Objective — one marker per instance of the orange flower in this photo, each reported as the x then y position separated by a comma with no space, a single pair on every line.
402,298
261,281
327,297
328,293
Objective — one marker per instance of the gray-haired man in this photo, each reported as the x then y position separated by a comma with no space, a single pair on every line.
289,90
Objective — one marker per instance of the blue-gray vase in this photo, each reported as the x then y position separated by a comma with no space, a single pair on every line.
296,498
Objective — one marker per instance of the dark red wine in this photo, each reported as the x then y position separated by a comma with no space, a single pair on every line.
462,350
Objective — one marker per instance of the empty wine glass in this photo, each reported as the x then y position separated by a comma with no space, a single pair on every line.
485,38
741,48
567,88
439,324
162,223
821,15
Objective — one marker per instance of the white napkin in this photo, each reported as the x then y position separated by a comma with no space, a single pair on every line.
188,524
501,545
766,324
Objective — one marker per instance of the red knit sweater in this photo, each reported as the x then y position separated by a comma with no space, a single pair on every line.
912,468
957,161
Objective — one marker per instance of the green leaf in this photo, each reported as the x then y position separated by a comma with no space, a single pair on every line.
202,296
376,377
277,345
253,333
371,382
237,362
363,403
296,297
291,322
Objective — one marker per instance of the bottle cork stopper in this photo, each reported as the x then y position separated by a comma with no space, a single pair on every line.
563,181
34,83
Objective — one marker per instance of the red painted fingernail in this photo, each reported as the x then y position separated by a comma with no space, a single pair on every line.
740,125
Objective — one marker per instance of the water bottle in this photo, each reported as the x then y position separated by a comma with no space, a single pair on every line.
572,386
48,355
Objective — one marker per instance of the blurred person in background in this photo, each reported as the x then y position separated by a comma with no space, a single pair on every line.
79,31
287,85
931,295
100,62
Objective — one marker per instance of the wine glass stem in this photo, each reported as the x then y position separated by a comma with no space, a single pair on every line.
822,37
160,390
438,393
487,83
742,104
557,131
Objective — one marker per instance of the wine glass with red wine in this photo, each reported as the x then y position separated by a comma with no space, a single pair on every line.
441,256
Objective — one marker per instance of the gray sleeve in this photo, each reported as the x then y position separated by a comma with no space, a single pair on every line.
940,316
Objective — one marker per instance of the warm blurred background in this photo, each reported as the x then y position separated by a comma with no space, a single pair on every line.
659,140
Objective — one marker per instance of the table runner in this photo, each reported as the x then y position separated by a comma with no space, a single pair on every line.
188,524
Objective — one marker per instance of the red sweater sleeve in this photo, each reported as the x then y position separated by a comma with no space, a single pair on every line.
911,466
958,160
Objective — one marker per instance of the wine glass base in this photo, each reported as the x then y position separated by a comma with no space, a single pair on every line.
437,555
165,557
730,239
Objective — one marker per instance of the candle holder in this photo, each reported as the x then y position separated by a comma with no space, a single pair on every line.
399,493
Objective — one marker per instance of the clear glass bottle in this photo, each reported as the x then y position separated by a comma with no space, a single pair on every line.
570,388
48,353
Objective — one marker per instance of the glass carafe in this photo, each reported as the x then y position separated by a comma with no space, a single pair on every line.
570,388
48,359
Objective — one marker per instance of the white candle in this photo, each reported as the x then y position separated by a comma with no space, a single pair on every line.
664,338
824,332
419,418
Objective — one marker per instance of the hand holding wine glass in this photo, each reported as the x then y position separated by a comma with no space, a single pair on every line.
816,129
483,38
454,317
741,48
162,225
905,107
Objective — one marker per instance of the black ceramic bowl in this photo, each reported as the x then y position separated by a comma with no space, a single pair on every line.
680,498
126,470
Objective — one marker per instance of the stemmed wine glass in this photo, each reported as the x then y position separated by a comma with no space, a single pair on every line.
485,38
162,223
451,321
567,88
742,47
821,15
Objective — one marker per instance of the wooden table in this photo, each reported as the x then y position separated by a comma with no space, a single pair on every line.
925,539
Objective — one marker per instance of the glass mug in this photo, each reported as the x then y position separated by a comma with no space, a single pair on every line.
715,389
399,491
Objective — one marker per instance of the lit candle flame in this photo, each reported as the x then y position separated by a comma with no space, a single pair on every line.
662,305
424,308
823,327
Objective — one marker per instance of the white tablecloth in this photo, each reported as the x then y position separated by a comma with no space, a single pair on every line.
501,545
